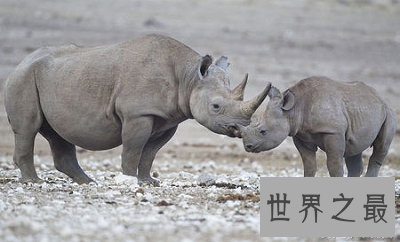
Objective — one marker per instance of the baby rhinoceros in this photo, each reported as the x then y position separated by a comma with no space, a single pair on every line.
342,119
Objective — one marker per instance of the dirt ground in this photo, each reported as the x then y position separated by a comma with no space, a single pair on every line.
281,41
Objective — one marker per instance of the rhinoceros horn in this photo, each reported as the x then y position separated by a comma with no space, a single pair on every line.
250,106
238,92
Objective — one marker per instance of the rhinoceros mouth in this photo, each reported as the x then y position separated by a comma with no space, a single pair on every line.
254,151
252,148
234,131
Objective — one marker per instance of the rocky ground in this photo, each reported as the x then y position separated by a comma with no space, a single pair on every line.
278,41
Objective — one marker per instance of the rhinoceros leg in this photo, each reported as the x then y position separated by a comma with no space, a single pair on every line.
334,147
148,154
381,145
307,154
135,134
64,155
354,165
25,117
23,157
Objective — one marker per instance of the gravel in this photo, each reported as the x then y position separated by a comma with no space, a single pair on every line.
116,208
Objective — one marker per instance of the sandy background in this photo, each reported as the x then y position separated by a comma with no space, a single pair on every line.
278,41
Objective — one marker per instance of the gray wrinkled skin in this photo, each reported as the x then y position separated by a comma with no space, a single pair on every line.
342,119
135,94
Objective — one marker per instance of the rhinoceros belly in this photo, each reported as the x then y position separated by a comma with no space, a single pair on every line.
80,117
89,131
74,96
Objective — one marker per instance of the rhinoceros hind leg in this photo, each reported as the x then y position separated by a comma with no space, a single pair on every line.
23,158
25,117
148,154
381,145
354,165
64,155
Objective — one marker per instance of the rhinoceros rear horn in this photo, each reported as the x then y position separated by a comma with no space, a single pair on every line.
250,106
205,62
238,92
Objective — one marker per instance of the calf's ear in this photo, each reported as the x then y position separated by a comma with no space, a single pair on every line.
288,100
274,93
205,62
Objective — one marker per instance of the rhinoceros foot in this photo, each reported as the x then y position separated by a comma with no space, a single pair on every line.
83,180
149,181
31,180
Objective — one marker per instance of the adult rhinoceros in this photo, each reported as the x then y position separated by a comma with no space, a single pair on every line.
135,94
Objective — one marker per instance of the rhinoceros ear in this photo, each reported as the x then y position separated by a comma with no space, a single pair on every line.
274,92
288,100
222,62
205,62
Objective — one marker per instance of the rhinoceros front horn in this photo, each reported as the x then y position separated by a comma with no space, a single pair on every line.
238,92
250,106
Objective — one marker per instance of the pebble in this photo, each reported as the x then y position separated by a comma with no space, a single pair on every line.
148,196
126,180
206,179
19,189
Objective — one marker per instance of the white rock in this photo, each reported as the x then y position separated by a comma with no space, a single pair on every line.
231,204
185,175
211,195
184,196
206,179
66,231
19,189
44,185
257,167
148,196
28,209
126,180
183,204
2,206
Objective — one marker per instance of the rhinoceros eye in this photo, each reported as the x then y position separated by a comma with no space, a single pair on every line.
263,132
216,106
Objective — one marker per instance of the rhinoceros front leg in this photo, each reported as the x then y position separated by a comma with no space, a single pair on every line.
334,147
148,154
307,154
135,134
